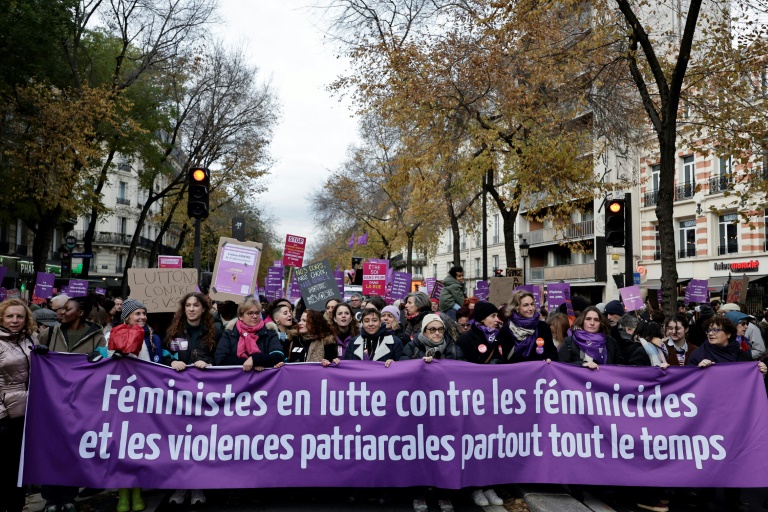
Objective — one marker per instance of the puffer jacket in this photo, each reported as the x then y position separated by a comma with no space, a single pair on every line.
55,340
14,373
417,350
453,293
270,350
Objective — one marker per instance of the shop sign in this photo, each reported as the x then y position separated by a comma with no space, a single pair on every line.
26,267
738,266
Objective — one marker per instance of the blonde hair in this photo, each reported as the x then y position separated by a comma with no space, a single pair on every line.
515,300
247,304
30,326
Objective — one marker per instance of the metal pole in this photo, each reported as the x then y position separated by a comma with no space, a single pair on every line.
485,227
525,260
196,262
629,259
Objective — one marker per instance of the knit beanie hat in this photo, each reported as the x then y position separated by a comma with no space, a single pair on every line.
429,319
483,310
706,311
392,310
129,306
614,308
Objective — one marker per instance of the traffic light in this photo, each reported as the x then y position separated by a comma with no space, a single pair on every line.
199,189
614,223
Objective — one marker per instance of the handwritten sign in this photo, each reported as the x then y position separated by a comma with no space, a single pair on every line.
317,285
161,289
737,290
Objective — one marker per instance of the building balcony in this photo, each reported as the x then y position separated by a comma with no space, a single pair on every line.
684,191
720,184
581,271
123,200
651,198
576,231
686,253
727,249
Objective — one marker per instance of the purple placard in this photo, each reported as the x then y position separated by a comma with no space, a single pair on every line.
698,290
558,293
3,270
273,283
44,285
237,266
430,284
77,288
401,285
269,427
535,290
262,291
658,297
631,298
295,291
437,290
100,291
339,276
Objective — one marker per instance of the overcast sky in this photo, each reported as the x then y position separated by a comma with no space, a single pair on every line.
315,130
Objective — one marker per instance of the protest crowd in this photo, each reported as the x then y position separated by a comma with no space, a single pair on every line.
256,335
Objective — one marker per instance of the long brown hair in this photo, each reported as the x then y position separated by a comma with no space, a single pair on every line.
178,326
579,322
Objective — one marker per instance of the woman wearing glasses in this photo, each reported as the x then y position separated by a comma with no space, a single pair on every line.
525,336
433,342
464,319
249,343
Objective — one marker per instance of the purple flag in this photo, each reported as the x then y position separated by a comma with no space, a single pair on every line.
44,285
351,242
362,239
144,425
631,298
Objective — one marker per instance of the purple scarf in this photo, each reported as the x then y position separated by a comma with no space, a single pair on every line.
489,333
593,344
524,345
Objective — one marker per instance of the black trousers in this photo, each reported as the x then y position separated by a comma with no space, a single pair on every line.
12,498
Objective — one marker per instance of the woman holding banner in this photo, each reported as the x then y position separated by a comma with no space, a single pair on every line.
17,339
315,342
249,343
589,345
344,327
191,335
525,336
375,343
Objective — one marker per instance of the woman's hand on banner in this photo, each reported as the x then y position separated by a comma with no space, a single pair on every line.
179,366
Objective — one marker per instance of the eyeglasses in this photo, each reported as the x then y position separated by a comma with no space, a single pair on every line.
463,325
714,330
433,330
252,313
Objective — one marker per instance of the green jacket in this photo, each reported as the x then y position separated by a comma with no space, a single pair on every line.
453,293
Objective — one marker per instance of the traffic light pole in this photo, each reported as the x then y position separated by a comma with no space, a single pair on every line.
629,259
196,262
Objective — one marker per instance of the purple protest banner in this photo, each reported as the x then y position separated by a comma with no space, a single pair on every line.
430,284
132,423
44,285
273,283
77,288
632,298
100,291
557,293
535,291
698,290
401,285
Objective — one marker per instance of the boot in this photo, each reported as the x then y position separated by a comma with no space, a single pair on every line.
123,500
138,503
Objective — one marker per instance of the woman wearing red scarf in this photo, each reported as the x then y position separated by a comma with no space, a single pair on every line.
525,336
590,345
250,344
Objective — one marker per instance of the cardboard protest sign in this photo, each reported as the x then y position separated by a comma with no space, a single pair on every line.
317,285
234,274
737,290
161,289
374,278
501,289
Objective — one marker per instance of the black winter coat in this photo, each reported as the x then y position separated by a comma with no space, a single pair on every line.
417,350
271,351
571,353
477,349
508,343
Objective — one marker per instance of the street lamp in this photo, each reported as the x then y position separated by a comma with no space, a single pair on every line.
524,246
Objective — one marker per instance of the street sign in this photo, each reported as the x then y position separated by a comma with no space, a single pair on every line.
83,255
636,277
71,241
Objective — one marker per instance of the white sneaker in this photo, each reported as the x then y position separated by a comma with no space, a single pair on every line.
197,497
445,506
420,506
479,498
493,498
178,497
